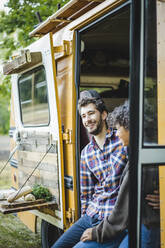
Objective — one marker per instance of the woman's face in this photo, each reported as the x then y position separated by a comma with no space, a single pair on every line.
123,134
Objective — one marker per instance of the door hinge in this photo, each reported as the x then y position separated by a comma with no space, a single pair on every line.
70,215
67,136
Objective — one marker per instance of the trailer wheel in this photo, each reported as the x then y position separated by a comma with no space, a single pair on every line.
49,234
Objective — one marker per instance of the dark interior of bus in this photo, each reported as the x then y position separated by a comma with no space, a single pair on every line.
104,64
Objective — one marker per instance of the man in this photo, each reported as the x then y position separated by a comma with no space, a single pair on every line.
117,222
102,163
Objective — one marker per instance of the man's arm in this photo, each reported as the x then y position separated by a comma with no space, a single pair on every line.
86,184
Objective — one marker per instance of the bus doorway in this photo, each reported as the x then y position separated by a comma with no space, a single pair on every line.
109,60
104,58
103,63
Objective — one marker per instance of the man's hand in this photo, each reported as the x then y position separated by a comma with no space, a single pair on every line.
87,235
153,199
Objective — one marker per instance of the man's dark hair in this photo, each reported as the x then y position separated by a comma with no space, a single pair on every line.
120,115
91,96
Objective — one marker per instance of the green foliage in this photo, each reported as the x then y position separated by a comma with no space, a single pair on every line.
22,19
41,192
4,115
5,89
9,45
14,34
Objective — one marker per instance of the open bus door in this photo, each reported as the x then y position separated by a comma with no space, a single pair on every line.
147,120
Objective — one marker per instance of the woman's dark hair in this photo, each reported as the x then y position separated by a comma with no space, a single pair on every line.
120,115
91,96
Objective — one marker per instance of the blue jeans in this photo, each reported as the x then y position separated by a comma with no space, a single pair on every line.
150,238
110,244
72,236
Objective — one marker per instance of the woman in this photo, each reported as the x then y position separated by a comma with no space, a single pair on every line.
117,222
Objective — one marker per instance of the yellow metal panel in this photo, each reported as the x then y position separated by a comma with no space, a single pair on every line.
160,70
67,100
162,203
29,220
74,107
161,107
64,81
60,127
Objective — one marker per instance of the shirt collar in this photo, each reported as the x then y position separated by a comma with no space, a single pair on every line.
109,133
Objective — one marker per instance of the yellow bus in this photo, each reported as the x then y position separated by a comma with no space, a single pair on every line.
116,47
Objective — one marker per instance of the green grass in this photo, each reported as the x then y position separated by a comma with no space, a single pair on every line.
13,233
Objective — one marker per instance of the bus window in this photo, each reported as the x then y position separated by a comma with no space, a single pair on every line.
33,98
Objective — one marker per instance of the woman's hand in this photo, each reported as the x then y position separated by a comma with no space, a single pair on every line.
153,199
87,235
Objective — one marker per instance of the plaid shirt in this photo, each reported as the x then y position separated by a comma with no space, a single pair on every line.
100,172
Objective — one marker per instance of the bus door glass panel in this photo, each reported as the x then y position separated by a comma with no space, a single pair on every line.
34,97
153,100
153,135
150,206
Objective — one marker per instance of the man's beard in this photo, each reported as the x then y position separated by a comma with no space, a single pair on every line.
98,128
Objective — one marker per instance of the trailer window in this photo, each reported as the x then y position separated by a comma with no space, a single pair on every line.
33,97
